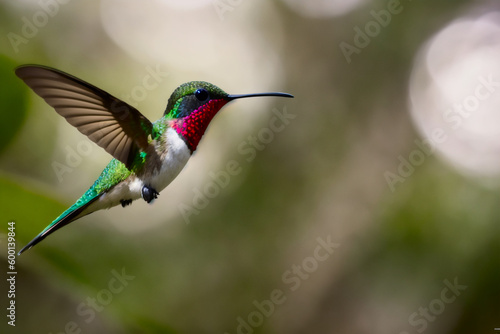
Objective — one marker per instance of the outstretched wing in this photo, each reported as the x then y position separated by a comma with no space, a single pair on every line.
109,122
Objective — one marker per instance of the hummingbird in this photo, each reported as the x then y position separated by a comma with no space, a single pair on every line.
147,156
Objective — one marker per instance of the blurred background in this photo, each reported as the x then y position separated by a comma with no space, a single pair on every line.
367,204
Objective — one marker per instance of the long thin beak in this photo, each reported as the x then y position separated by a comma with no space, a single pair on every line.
241,96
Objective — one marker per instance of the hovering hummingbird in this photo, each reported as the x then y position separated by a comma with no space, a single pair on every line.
146,156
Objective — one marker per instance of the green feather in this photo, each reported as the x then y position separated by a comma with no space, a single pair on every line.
114,173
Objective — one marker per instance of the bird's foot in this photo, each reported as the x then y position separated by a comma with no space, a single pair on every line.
125,202
149,194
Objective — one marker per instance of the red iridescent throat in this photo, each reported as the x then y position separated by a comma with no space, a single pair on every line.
192,127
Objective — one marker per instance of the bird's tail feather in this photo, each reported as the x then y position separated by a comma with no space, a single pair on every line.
64,219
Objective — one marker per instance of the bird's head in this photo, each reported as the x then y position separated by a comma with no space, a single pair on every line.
193,105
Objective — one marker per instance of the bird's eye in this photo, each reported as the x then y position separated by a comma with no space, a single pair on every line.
201,94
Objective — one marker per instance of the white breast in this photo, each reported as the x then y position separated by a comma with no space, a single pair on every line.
176,158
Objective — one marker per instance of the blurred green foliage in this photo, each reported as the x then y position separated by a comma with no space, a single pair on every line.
13,95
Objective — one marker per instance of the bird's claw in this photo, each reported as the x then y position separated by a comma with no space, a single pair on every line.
149,194
125,202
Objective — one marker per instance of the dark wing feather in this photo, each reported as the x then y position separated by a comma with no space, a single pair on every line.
109,122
